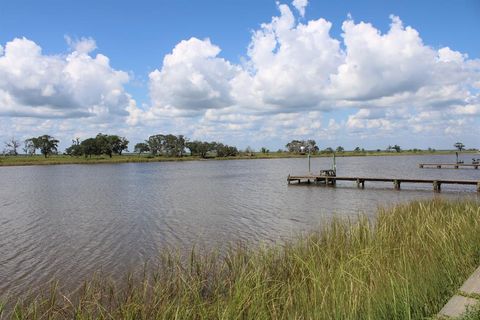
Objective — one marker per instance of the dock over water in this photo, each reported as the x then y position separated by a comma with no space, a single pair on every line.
360,181
448,165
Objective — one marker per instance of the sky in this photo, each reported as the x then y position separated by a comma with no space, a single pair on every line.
243,72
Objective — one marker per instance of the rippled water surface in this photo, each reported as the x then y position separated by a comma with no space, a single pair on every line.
68,221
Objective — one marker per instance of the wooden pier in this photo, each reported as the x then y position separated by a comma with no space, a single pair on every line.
360,181
448,165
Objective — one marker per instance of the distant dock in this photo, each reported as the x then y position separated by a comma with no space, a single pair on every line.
360,181
448,165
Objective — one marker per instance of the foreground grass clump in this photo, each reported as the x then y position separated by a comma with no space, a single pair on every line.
403,265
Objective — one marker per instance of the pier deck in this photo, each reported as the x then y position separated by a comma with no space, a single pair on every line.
360,181
448,165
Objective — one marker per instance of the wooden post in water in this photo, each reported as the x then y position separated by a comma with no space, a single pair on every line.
437,186
478,186
360,183
309,171
396,184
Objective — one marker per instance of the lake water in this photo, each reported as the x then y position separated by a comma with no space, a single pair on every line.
68,221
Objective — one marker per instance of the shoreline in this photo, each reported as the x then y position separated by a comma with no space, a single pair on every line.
24,160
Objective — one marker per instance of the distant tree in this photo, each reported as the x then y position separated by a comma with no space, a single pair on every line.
460,146
249,151
200,148
119,144
340,149
264,150
328,150
225,150
302,146
168,145
397,148
30,146
47,144
91,147
11,146
75,149
357,149
141,147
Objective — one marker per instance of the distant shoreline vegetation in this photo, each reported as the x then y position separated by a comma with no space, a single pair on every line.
405,262
104,148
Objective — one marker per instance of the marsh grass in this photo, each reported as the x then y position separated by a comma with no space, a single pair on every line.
404,264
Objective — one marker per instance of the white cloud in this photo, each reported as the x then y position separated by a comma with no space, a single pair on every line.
192,79
300,5
59,86
82,45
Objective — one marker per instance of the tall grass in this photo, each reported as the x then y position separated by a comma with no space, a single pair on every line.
404,264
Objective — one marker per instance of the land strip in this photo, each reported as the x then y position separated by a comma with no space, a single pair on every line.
23,160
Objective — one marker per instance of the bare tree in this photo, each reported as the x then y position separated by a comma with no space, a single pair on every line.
12,145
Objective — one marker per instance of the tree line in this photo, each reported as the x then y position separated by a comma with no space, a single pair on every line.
165,145
103,144
47,145
175,146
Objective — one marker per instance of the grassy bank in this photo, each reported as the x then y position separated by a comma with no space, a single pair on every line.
23,160
406,265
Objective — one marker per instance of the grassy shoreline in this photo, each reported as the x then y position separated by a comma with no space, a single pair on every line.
133,158
404,265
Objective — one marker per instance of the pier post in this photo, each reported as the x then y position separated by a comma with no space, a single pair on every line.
439,167
420,165
437,186
396,184
360,183
478,186
288,179
456,166
476,167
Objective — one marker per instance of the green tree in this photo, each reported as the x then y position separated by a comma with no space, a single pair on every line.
357,149
75,149
30,146
200,148
141,147
460,146
302,146
119,144
225,150
340,149
91,147
47,144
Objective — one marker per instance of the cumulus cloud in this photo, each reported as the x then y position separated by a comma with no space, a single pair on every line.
75,85
193,78
300,5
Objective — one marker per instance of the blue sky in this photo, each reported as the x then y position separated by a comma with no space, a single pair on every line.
136,36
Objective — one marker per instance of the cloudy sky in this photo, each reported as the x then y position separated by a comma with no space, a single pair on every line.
244,72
